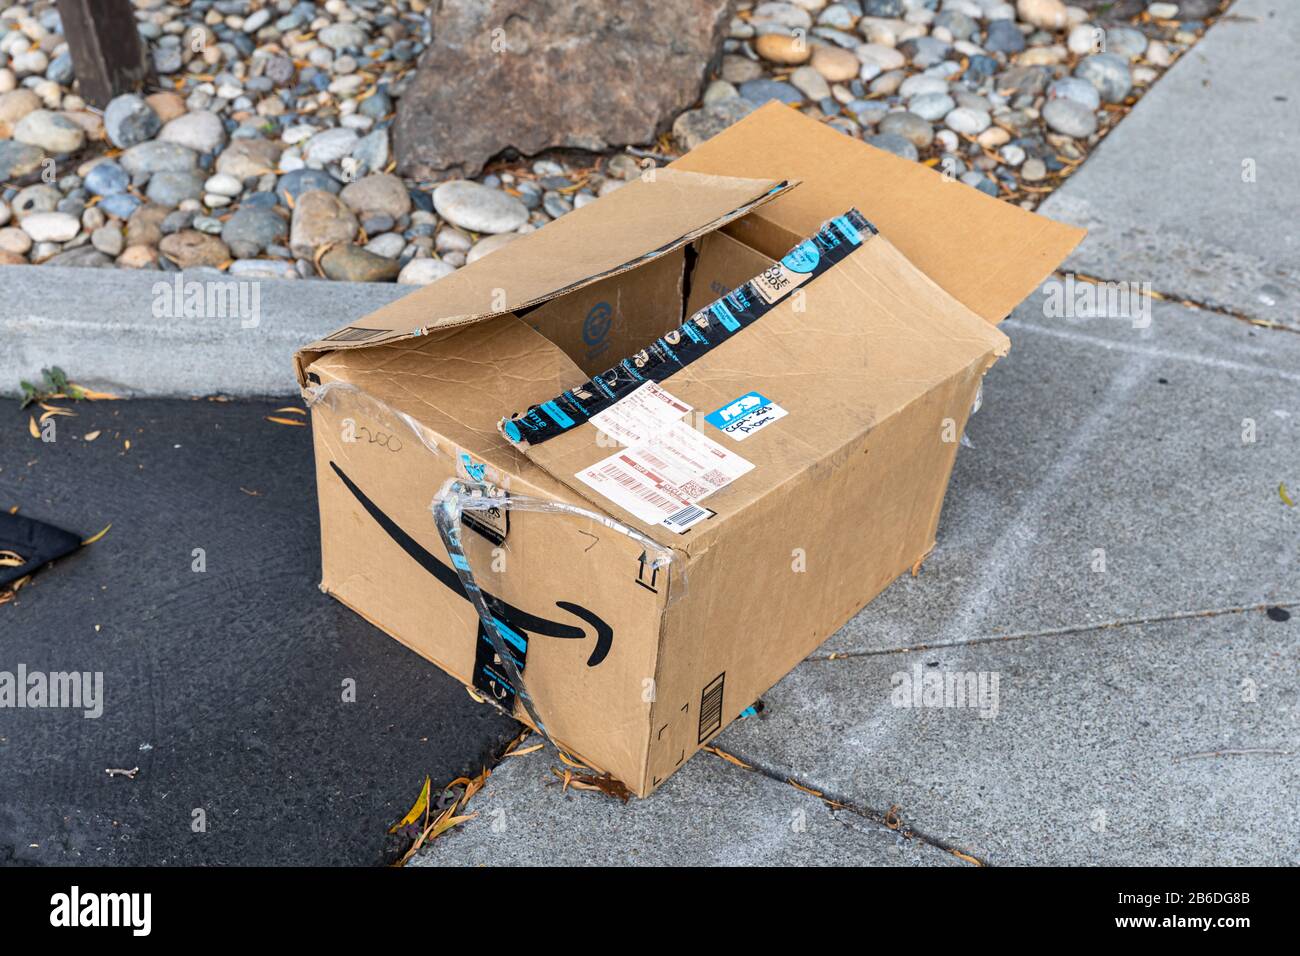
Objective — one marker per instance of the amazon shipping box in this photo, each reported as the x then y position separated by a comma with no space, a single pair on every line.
695,425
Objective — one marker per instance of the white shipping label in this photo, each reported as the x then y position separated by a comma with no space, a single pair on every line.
756,420
660,481
641,415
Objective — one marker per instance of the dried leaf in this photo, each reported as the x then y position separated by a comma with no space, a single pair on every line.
11,559
293,410
570,761
728,757
445,823
285,421
798,786
603,783
421,808
90,436
31,427
93,396
527,750
93,538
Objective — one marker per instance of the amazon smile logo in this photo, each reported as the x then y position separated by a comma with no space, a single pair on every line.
522,622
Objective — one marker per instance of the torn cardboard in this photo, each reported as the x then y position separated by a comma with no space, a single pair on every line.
638,642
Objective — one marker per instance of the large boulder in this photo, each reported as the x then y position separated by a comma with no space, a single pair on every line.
533,74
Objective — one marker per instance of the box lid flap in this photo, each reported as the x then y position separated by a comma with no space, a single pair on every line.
986,253
643,220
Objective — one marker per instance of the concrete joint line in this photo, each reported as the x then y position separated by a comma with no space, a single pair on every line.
872,816
1117,624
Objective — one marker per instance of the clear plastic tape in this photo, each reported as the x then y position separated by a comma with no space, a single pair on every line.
471,492
458,496
330,394
974,407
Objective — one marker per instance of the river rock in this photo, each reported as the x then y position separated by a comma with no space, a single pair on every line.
52,132
50,226
320,217
782,48
249,157
38,197
144,227
250,230
911,127
296,182
1070,118
1048,14
348,263
200,131
82,257
695,126
1109,73
158,157
130,120
489,245
172,188
424,271
107,178
478,208
329,146
190,249
14,105
18,160
381,193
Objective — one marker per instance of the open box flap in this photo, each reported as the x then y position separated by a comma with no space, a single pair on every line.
645,219
987,253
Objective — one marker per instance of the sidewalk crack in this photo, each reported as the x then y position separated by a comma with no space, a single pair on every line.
1186,301
890,819
1287,604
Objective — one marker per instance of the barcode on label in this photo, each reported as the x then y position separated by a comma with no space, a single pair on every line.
711,707
634,485
688,517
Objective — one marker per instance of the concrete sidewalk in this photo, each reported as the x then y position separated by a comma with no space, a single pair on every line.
104,327
1195,191
1114,549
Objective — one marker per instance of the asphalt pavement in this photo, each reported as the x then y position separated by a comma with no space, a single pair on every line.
224,686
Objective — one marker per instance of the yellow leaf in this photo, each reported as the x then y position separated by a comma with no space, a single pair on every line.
446,823
728,757
31,427
91,395
90,436
285,421
421,805
527,750
126,445
292,410
93,538
1286,498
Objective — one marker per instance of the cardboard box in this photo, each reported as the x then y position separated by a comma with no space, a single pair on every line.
874,364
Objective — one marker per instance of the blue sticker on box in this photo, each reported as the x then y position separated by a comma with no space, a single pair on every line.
745,415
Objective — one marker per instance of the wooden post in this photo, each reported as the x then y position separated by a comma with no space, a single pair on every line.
107,53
